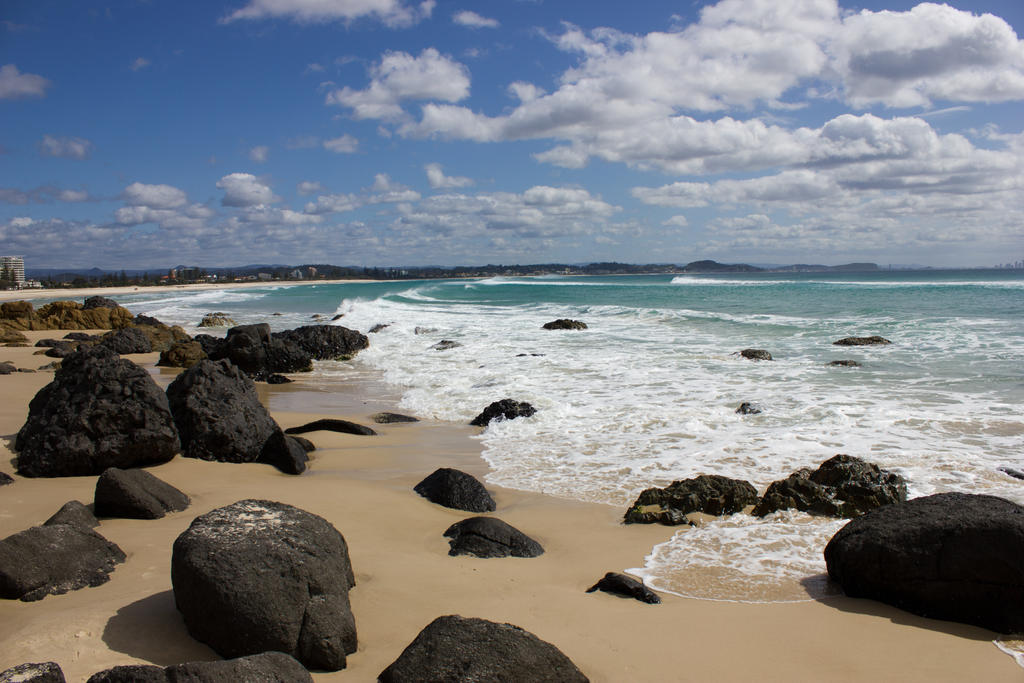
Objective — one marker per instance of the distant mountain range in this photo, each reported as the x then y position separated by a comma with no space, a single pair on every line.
716,267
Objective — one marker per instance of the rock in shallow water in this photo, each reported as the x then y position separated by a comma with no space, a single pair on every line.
949,556
862,341
756,354
708,493
505,409
565,324
457,649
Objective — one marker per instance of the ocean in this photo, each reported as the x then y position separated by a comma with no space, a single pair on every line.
648,394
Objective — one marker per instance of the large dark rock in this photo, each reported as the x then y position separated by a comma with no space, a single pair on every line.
127,340
161,337
332,425
708,493
218,414
326,342
747,408
455,489
948,556
100,411
391,418
183,354
74,513
217,320
842,486
457,649
7,368
505,409
257,576
627,587
55,559
6,479
212,346
286,453
61,349
136,494
253,349
565,324
756,354
42,672
862,341
266,667
490,537
99,302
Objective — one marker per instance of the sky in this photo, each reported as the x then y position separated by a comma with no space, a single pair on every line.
151,133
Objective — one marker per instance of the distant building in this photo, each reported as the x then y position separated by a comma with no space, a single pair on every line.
13,268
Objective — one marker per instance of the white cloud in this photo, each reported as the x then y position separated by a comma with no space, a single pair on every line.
259,153
334,203
399,77
471,19
139,64
307,187
679,221
393,13
16,85
438,180
346,144
154,196
43,194
65,147
245,189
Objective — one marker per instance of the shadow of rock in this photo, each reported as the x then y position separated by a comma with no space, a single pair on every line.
152,629
896,615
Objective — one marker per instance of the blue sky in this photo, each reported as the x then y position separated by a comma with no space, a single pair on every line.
148,133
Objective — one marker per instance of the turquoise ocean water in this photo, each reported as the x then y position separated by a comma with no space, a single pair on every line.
648,393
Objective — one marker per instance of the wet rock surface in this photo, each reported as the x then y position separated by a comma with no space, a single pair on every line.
627,587
489,537
332,425
708,493
326,342
862,341
505,409
565,324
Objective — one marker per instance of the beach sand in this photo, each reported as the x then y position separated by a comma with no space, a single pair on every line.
405,579
77,293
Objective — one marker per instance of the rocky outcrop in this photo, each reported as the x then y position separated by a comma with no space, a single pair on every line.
161,336
260,576
42,672
259,354
182,355
92,302
378,327
445,344
62,315
756,354
127,340
332,425
711,494
136,494
461,650
217,320
100,411
266,667
748,409
489,537
12,337
862,341
948,556
842,486
212,346
74,513
627,587
326,342
392,418
505,409
218,414
565,324
844,364
7,368
455,489
54,559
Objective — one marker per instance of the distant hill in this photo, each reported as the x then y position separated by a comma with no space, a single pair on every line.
716,267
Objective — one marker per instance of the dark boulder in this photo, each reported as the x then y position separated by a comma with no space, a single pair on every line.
218,414
1009,471
656,515
99,302
748,409
212,346
326,342
627,587
505,409
457,490
278,379
949,556
55,559
74,513
332,425
253,349
565,324
842,486
285,453
100,411
391,418
61,349
457,649
147,320
378,327
136,494
756,354
445,344
42,672
862,341
708,493
127,340
7,368
266,667
6,479
162,337
217,320
260,576
82,337
844,364
306,444
490,537
183,354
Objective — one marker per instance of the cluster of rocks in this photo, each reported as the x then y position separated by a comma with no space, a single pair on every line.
761,354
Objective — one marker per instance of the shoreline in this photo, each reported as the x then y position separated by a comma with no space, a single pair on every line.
363,485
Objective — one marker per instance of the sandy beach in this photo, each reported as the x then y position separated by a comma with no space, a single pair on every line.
79,293
405,579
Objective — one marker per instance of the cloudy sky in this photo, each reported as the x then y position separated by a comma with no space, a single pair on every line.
148,133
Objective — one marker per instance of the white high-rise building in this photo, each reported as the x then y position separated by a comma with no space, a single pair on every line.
13,267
